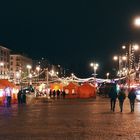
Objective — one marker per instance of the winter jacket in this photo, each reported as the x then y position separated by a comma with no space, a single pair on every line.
121,96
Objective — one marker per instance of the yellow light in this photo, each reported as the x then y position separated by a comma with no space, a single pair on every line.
38,68
1,64
30,75
107,74
137,21
123,47
115,58
95,67
136,47
17,75
124,58
29,66
91,64
94,64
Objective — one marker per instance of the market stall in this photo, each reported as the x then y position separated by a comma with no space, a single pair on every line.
7,87
86,91
71,90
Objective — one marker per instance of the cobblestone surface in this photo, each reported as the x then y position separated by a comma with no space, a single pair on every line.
69,119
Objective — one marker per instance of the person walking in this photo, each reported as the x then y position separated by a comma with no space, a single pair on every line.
24,97
113,96
132,97
8,94
54,93
58,93
121,98
19,97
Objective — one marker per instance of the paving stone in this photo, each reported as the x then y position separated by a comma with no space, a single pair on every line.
70,119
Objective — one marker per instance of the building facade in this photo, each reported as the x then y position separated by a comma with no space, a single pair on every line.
18,66
4,62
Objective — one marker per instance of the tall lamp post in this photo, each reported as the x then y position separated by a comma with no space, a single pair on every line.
121,65
47,76
131,49
137,22
107,75
118,58
29,68
38,70
95,67
29,74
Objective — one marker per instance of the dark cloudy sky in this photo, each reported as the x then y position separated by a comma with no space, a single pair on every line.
71,33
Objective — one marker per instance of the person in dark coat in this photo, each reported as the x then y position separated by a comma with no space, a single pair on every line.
132,97
113,97
121,98
24,97
19,97
54,93
63,94
58,93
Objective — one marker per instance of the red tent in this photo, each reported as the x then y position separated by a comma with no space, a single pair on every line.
71,90
86,91
6,83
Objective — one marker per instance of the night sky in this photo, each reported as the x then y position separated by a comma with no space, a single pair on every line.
71,33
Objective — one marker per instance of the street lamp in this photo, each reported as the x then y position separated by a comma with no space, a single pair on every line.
118,58
115,58
131,49
29,75
137,21
121,63
18,77
38,69
95,67
29,68
107,75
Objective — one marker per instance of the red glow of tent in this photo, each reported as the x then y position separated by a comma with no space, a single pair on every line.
71,90
86,91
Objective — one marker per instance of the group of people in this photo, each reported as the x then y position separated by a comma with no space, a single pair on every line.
57,94
121,97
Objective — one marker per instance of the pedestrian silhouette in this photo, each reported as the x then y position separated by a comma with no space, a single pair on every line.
58,93
132,97
121,98
19,97
54,93
8,94
113,96
24,97
63,94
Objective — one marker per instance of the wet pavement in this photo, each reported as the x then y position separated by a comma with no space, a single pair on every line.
69,119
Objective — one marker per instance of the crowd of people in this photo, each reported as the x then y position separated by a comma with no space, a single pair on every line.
57,93
113,94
